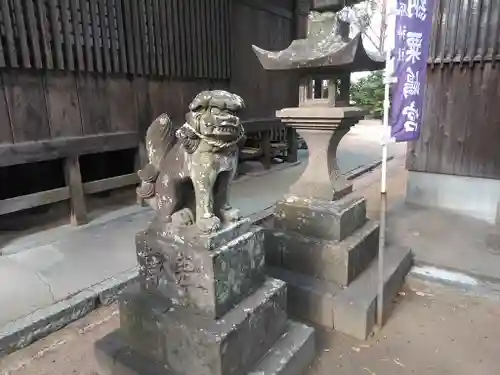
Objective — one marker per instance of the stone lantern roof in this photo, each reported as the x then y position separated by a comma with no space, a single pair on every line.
322,54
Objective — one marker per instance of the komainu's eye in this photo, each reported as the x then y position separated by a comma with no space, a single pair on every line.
215,111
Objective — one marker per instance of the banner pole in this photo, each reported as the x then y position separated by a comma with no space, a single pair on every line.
383,180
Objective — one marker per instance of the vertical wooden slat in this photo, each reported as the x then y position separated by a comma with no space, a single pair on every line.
87,35
463,32
94,19
190,27
483,28
74,182
181,8
151,36
164,37
33,35
197,55
22,34
207,4
158,38
68,43
227,40
77,34
204,38
2,59
6,135
138,37
122,44
444,31
146,41
105,34
56,33
473,32
113,34
128,24
219,37
174,21
452,32
9,34
45,32
214,57
436,20
495,32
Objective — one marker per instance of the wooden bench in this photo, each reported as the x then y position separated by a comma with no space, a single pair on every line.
68,149
268,138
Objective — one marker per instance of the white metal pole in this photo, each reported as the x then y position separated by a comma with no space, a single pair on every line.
388,79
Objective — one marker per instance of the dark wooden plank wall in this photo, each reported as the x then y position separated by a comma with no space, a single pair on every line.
83,67
270,25
461,126
98,35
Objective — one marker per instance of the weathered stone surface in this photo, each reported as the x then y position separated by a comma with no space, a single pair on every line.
309,299
211,281
329,220
190,170
291,355
334,261
190,235
192,344
355,308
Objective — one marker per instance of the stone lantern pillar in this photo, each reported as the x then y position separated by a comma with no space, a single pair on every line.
321,243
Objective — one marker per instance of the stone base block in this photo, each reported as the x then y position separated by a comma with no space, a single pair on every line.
212,281
187,343
192,236
290,355
350,310
308,299
355,309
334,261
329,220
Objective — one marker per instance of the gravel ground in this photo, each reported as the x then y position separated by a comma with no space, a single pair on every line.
434,331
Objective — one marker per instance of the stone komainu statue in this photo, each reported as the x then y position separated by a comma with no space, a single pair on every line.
190,170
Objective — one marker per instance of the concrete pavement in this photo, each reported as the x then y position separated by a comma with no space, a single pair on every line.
56,276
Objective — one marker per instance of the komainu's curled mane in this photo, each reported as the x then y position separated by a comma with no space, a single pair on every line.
188,177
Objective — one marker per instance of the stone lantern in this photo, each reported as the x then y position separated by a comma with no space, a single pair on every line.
322,122
321,242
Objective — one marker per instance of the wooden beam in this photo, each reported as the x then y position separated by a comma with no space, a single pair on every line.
110,183
30,152
73,179
25,202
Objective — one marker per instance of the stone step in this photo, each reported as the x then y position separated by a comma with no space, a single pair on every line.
291,354
351,310
193,344
329,220
334,261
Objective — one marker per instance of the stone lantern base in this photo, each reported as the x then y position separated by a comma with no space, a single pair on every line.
321,242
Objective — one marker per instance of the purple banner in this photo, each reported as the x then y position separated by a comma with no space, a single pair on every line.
411,51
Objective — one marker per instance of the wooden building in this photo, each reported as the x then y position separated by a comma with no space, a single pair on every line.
81,80
456,162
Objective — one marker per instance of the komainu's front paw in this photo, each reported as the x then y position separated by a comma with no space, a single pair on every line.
230,214
209,225
183,217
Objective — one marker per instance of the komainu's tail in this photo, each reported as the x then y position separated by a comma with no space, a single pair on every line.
160,138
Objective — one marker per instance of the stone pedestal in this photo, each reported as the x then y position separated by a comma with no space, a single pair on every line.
321,242
204,306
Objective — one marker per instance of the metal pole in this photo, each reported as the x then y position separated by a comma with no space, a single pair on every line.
388,80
